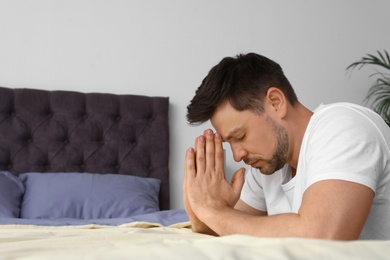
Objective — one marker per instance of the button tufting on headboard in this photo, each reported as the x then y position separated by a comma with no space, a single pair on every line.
65,131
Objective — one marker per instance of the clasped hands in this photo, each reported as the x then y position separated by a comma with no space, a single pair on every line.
205,189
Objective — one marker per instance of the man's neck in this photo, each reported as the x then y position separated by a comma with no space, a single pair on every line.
297,121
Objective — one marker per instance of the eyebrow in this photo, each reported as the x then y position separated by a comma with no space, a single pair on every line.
230,135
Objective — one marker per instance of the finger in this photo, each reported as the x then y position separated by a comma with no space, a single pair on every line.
238,180
195,146
190,169
200,155
219,156
196,143
185,173
210,150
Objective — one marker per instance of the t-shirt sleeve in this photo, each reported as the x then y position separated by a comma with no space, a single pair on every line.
252,191
344,145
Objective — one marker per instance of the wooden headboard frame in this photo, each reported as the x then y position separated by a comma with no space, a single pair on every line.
65,131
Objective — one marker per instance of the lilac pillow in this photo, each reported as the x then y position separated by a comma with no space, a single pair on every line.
11,192
88,196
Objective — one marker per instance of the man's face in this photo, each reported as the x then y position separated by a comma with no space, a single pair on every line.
256,139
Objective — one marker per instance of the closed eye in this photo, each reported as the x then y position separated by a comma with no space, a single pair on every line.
242,137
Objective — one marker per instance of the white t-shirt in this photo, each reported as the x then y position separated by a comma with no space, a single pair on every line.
342,141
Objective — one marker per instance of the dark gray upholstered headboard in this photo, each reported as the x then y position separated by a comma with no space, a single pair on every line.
65,131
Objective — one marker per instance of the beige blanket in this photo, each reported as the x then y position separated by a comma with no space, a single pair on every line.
141,240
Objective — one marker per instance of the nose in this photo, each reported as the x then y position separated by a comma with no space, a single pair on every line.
238,152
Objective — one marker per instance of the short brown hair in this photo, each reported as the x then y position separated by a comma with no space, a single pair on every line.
243,80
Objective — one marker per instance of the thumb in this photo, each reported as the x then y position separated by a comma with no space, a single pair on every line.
238,179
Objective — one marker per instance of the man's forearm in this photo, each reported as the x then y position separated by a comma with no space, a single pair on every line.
202,228
230,221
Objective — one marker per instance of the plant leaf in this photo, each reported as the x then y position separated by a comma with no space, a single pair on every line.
379,92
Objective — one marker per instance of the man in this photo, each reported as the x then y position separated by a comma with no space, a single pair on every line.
322,174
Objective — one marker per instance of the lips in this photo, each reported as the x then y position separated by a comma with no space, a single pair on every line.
253,164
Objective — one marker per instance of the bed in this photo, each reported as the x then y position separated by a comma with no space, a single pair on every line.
86,176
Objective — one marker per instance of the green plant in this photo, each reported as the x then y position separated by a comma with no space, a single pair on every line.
379,92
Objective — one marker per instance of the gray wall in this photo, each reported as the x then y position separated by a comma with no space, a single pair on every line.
165,48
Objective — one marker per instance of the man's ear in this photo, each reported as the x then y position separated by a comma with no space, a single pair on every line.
277,101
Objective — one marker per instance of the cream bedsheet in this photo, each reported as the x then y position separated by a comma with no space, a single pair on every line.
140,240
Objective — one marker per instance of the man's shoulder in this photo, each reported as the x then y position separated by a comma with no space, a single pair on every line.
342,107
345,115
346,124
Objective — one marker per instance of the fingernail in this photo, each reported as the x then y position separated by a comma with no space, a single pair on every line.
201,138
190,150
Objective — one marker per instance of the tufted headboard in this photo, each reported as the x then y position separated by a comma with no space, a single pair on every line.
65,131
